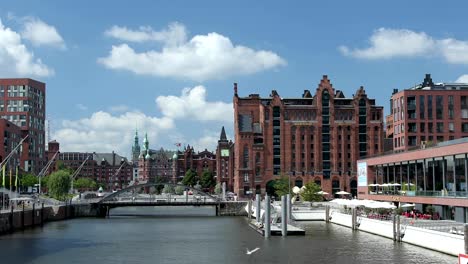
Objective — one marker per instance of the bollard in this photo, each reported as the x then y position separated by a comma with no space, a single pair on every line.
267,227
327,213
186,196
249,209
394,227
22,218
284,215
33,214
257,208
288,206
466,238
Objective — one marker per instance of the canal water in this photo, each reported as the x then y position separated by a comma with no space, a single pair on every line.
196,236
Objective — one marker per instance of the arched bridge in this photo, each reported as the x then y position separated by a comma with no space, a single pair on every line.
158,194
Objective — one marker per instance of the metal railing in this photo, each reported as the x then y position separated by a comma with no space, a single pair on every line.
441,194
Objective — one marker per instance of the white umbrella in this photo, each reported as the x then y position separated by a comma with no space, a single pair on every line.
407,205
342,193
296,190
396,184
322,193
373,184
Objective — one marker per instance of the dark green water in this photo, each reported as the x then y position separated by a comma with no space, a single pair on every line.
199,239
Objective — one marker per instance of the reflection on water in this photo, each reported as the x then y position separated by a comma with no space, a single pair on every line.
199,239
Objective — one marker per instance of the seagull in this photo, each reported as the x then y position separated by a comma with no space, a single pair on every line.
251,251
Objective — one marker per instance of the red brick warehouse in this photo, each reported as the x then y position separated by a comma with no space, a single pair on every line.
310,138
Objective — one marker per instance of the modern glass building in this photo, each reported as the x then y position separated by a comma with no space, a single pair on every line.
434,176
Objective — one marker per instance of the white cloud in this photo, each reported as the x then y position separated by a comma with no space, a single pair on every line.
41,34
462,79
388,43
192,104
82,107
175,34
104,132
391,43
211,56
16,59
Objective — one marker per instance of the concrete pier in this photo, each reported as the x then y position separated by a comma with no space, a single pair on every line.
289,206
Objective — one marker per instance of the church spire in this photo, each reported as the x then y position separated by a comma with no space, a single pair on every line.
223,137
135,147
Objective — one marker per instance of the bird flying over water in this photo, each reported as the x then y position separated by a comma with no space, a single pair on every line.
251,251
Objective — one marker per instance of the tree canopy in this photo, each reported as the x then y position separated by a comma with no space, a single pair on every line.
168,189
84,183
207,180
59,184
282,186
28,180
218,188
190,178
310,192
179,190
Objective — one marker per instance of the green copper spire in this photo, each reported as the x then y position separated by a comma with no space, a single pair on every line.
135,147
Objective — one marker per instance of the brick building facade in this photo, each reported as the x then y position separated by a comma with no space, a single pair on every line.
22,102
103,168
429,113
310,138
196,161
10,136
225,161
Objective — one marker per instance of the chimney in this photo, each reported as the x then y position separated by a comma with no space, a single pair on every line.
113,158
235,89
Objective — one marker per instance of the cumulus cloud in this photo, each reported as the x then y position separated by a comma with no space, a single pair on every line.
41,33
203,57
192,104
104,132
392,43
462,79
16,59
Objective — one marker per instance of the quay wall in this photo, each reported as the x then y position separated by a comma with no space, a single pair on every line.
439,241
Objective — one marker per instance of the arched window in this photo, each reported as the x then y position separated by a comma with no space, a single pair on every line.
246,157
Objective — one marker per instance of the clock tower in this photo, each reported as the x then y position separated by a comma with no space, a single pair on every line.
225,161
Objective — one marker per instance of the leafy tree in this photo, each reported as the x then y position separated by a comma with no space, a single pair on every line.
59,184
179,190
190,178
84,183
218,189
168,189
282,186
207,180
310,192
28,180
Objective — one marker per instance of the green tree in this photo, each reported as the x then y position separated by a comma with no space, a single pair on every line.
310,192
282,186
179,190
28,180
218,189
190,178
84,183
207,180
59,184
168,189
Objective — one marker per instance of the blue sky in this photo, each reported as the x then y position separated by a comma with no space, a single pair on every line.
168,66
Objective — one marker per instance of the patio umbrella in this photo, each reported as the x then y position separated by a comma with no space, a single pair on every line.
407,205
322,193
342,193
296,190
